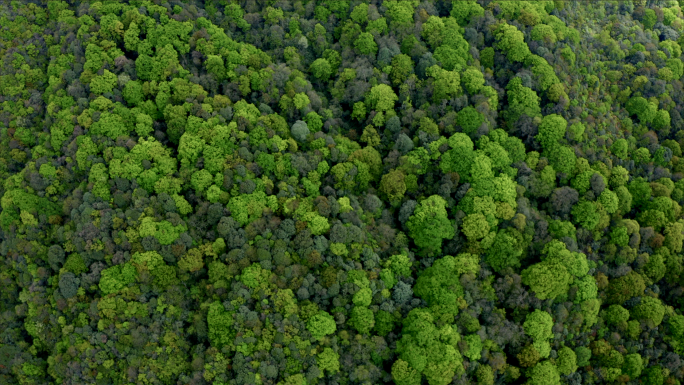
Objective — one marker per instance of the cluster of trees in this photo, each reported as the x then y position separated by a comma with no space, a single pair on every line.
342,191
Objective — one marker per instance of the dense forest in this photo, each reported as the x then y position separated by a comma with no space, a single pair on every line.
299,192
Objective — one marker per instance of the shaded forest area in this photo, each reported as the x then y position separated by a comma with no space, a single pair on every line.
279,192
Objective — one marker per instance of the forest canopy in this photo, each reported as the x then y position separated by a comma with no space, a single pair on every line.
299,192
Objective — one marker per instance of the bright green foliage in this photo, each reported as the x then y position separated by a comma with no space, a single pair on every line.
576,131
521,100
321,69
642,108
473,80
454,53
201,180
650,309
619,148
505,250
562,158
543,32
103,84
474,347
328,361
215,66
547,279
512,42
248,207
429,224
116,278
99,177
609,200
567,361
538,325
432,31
586,214
133,93
632,365
365,44
74,263
321,324
439,286
147,261
363,297
475,226
544,373
551,130
220,324
470,119
362,319
400,265
425,350
164,63
616,314
360,13
381,98
447,84
459,159
400,12
649,18
464,11
235,13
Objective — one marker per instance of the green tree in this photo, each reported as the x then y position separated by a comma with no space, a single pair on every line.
544,373
432,31
538,325
328,361
439,286
465,11
473,80
360,13
429,224
402,68
321,325
475,226
470,119
567,361
521,100
548,279
103,84
362,319
321,69
551,131
512,42
633,365
506,250
215,66
649,18
393,185
426,351
381,98
619,148
623,288
365,44
220,323
650,309
447,84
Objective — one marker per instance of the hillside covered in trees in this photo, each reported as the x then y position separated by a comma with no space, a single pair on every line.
281,192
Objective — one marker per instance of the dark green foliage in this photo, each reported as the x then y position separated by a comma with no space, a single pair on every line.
336,192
